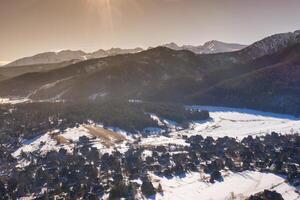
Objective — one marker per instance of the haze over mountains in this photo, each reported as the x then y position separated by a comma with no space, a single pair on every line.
67,55
149,100
182,76
13,71
210,47
61,121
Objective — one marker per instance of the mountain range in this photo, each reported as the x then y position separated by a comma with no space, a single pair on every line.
67,55
264,75
210,47
13,71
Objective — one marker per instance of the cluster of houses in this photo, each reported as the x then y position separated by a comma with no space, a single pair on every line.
90,174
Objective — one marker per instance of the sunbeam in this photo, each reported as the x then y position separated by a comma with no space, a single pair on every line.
108,10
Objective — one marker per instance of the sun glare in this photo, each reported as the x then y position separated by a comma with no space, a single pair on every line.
103,10
108,10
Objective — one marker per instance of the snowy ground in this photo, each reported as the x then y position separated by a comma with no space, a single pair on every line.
47,142
236,123
239,185
162,140
13,100
230,122
241,123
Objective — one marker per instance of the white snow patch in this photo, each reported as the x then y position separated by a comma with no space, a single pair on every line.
240,184
157,119
97,95
172,125
135,101
240,123
43,143
120,131
146,153
75,133
13,100
153,131
162,140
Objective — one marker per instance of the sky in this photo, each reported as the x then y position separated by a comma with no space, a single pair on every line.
29,27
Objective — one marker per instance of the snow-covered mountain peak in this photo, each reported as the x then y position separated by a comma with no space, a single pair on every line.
271,44
297,32
173,45
213,46
67,55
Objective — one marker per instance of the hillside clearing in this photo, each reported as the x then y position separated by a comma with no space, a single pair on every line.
105,134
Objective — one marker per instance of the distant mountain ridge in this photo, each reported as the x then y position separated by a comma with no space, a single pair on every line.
263,47
270,82
264,75
13,71
210,47
67,55
270,45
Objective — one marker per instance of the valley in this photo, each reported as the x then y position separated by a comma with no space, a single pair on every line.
229,126
162,123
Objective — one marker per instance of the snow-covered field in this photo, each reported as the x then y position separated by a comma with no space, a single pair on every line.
241,122
238,123
48,142
19,100
238,185
230,122
162,140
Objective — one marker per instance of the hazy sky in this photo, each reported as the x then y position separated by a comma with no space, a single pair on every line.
31,26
